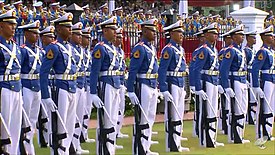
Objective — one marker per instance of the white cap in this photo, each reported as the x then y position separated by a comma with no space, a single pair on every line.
103,6
117,9
196,13
151,24
110,23
1,1
212,28
18,2
86,32
65,20
9,16
86,7
226,35
268,31
63,6
149,12
175,27
200,34
38,4
77,27
33,27
237,30
119,32
251,33
48,31
138,11
55,4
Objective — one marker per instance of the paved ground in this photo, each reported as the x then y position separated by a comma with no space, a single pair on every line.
130,120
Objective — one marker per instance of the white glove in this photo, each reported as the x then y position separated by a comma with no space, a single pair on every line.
230,92
220,89
258,91
202,94
123,87
49,103
167,96
192,89
96,101
133,97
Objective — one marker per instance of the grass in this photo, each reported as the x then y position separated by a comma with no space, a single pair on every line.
192,143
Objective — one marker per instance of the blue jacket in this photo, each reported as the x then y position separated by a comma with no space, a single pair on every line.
139,64
264,60
102,58
122,65
27,63
79,59
168,63
57,59
191,65
5,57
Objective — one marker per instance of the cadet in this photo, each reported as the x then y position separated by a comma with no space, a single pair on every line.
200,36
233,67
206,79
172,74
60,57
80,98
119,15
30,68
104,75
143,71
250,54
122,90
85,45
264,62
38,14
10,84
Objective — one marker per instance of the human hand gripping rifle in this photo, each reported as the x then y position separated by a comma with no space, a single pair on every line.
24,142
42,126
5,135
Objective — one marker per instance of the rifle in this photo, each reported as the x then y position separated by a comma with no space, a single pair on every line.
6,140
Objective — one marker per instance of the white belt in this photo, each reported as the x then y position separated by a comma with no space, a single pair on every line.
176,74
65,76
30,76
87,73
14,77
51,77
210,72
268,71
120,73
147,76
241,73
109,73
80,74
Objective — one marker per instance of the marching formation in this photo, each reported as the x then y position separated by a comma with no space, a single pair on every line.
54,87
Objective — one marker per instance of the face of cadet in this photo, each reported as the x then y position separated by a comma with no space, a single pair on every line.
46,40
7,30
150,34
77,38
109,34
31,37
85,41
238,38
251,39
228,41
64,31
211,37
268,39
177,37
118,41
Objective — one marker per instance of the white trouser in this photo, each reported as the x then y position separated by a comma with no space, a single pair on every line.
212,113
121,108
31,104
148,102
241,94
269,91
176,112
67,110
111,102
80,105
11,110
87,111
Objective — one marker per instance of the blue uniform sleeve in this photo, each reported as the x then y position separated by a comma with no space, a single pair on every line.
97,59
228,56
198,66
47,63
256,67
248,55
23,55
191,75
165,60
137,56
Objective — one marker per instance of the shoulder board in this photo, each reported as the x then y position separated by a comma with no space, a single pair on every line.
169,45
54,42
13,41
101,43
141,43
204,45
231,46
39,47
23,46
262,48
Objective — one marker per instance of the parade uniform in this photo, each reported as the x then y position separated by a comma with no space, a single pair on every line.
104,89
122,90
10,84
250,54
61,58
233,68
264,87
172,74
30,68
19,37
143,71
206,80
